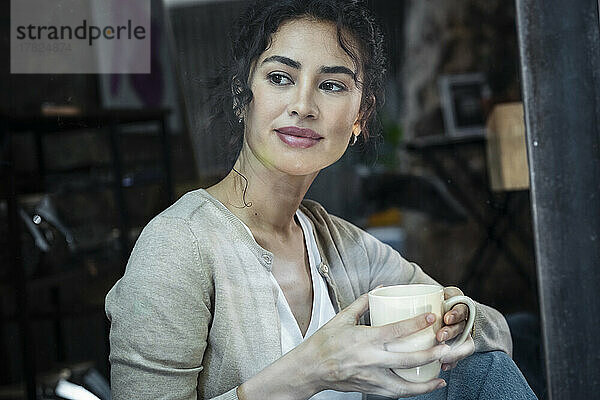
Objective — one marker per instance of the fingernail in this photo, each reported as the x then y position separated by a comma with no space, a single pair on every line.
444,335
430,318
442,384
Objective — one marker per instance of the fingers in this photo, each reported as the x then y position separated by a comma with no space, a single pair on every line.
409,389
452,291
459,312
392,359
455,322
448,367
392,386
457,353
404,328
450,331
354,311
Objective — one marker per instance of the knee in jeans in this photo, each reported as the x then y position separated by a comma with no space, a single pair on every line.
480,365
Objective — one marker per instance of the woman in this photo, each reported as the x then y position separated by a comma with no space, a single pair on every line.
227,280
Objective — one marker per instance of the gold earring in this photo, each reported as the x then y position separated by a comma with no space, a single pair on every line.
353,139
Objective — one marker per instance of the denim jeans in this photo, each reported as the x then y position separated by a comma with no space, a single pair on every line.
482,376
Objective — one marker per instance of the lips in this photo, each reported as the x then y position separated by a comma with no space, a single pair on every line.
299,132
298,137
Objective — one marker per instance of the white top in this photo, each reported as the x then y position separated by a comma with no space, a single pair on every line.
322,308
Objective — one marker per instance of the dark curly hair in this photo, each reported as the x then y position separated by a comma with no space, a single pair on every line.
358,35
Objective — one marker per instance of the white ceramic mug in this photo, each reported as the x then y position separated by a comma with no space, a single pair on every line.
397,303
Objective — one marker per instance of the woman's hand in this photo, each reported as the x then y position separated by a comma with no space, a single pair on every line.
454,325
350,357
347,357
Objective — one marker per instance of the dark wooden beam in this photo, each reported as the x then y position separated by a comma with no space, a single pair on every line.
560,67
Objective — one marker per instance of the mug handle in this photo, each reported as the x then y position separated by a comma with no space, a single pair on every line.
451,302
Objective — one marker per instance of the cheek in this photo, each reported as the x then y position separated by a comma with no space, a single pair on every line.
345,116
264,106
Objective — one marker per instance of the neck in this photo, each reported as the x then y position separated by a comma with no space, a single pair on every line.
266,200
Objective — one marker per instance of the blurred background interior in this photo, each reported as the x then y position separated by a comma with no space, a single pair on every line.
94,157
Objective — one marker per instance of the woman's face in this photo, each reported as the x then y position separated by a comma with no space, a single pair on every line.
305,101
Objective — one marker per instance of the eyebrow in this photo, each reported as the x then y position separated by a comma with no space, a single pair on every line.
284,60
338,69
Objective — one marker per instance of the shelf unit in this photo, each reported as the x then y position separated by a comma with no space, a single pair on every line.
109,176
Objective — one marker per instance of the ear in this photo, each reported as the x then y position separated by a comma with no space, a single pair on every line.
363,116
357,127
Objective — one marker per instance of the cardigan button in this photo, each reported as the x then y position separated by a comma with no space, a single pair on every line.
267,258
324,268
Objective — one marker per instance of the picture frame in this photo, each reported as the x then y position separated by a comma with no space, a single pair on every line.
462,100
159,89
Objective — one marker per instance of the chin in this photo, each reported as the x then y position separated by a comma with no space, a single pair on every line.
299,169
302,165
297,162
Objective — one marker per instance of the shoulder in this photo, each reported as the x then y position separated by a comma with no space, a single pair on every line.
171,230
166,257
180,237
345,235
187,206
194,216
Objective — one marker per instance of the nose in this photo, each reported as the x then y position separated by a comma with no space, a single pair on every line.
302,103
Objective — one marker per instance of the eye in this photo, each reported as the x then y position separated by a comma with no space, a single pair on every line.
279,79
331,86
